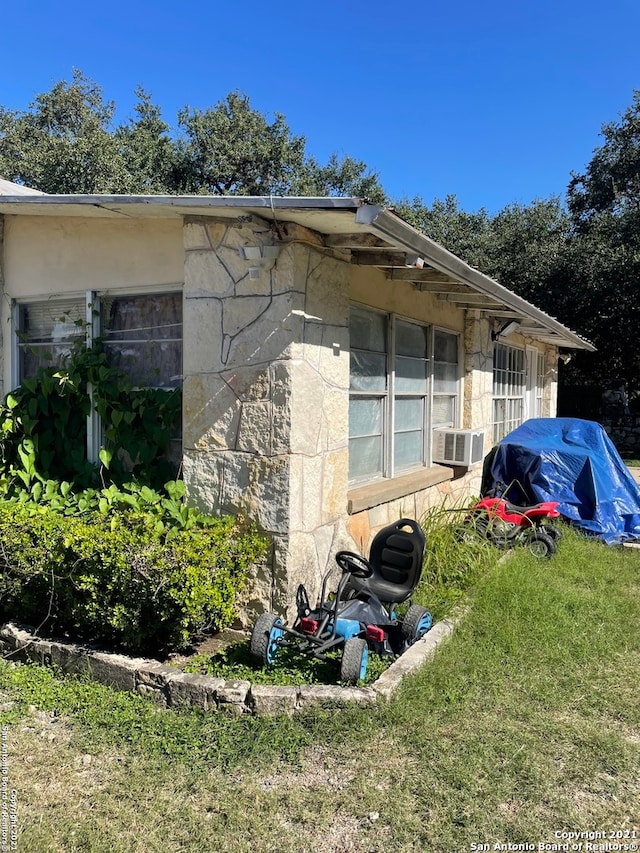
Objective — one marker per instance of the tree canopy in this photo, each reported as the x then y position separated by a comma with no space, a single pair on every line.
578,259
67,142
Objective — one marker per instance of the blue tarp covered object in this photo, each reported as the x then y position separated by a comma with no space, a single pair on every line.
575,463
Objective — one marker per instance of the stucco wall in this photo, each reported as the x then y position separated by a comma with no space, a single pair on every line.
55,255
47,256
370,287
3,388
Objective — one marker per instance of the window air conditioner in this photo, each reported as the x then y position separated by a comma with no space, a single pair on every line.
463,447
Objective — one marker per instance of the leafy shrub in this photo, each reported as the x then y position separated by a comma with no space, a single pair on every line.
128,563
122,577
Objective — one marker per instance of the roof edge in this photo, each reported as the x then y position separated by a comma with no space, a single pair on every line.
390,226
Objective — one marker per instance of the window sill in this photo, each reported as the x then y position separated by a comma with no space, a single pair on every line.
383,491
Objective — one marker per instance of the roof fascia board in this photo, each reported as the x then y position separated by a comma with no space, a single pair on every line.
197,202
390,225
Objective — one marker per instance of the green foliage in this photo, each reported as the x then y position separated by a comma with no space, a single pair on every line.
147,150
289,668
125,574
453,562
63,144
43,427
66,143
465,234
233,150
340,177
611,181
124,562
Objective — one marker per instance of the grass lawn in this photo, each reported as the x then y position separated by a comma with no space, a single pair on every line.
526,724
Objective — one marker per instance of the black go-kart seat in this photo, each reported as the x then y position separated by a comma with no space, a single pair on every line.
395,557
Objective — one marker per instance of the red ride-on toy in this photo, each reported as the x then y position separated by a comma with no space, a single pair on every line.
506,524
361,615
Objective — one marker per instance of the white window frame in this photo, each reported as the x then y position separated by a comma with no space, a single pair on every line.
520,388
93,329
389,469
455,422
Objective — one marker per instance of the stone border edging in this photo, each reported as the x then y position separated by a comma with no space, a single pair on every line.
169,687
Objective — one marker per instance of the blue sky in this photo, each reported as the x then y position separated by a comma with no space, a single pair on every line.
495,102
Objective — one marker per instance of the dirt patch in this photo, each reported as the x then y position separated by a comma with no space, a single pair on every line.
211,644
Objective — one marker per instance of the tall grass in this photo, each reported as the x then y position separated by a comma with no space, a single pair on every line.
453,561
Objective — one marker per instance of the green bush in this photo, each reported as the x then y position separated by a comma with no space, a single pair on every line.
122,577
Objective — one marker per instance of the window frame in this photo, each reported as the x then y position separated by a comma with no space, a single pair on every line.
390,469
511,392
93,301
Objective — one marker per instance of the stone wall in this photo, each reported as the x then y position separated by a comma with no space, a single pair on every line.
2,291
624,432
169,687
266,371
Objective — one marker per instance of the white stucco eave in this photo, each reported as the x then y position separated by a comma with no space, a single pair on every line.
327,216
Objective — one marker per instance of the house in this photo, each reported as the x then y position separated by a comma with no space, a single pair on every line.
318,343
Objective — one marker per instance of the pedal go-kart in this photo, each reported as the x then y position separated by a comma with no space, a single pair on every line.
506,524
361,615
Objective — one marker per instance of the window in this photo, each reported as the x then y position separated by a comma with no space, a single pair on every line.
46,332
539,386
401,371
142,335
368,404
509,389
445,378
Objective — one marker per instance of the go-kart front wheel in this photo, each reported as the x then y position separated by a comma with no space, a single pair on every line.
417,621
541,544
355,659
264,645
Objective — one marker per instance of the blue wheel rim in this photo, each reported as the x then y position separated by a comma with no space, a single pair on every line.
274,635
424,624
364,662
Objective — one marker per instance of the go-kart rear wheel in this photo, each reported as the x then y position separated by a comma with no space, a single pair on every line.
417,621
355,659
264,646
541,544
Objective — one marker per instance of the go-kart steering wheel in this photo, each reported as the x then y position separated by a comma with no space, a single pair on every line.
354,564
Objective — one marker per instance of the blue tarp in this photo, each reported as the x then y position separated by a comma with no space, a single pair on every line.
575,463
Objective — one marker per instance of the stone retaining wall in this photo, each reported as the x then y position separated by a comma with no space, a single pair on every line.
168,687
624,432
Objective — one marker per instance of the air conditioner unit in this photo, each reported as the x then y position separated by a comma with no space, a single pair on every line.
463,447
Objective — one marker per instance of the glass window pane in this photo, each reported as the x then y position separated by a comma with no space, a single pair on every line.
411,375
368,371
445,378
365,417
409,413
443,411
365,458
408,449
46,332
445,347
143,336
368,330
411,339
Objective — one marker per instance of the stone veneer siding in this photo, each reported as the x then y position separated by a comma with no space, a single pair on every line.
2,290
265,416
